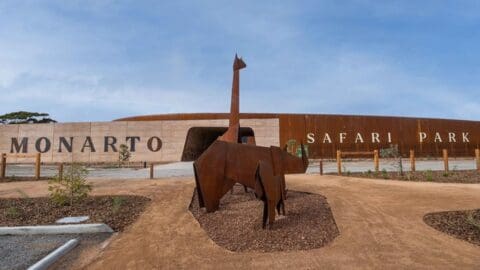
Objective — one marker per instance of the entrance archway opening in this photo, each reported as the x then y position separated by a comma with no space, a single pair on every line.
200,138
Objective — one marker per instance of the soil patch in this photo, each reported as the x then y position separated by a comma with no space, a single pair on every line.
464,176
115,211
237,225
463,225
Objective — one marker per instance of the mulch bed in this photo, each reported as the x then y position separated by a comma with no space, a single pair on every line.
463,176
463,225
23,178
115,211
237,225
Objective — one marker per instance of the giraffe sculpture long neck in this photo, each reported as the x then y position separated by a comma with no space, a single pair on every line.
235,103
231,135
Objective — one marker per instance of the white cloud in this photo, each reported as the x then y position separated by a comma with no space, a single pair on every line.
84,62
353,83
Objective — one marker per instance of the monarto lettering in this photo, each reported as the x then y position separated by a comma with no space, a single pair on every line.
86,144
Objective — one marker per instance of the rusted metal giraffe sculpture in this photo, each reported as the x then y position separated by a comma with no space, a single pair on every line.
226,162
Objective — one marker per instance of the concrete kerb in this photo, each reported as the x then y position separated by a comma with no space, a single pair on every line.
57,229
51,258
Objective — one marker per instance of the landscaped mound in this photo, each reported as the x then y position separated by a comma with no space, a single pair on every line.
115,211
464,225
237,225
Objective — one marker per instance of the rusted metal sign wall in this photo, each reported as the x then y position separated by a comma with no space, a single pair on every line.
324,134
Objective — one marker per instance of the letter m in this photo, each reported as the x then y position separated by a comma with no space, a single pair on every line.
17,148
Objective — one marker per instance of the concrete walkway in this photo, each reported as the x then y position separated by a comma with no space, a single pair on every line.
380,225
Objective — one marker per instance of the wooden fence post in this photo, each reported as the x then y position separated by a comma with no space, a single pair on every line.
477,156
412,160
151,170
37,166
321,166
3,167
445,159
60,171
376,161
339,162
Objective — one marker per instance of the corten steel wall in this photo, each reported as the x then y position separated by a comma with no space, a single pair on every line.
172,134
404,132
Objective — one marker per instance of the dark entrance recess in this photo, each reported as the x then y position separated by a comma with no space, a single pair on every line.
199,139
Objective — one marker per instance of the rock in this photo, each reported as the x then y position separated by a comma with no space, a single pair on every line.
73,219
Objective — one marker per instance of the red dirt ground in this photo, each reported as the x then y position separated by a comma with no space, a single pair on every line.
380,222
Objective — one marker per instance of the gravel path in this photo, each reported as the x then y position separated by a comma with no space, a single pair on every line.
20,252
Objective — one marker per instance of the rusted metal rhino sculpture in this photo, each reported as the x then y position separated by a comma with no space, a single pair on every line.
223,164
226,162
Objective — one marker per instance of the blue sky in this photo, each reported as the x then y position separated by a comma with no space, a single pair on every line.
101,60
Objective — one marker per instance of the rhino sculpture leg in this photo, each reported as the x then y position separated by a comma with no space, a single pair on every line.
271,212
209,188
265,214
268,188
283,193
201,202
281,208
281,202
210,176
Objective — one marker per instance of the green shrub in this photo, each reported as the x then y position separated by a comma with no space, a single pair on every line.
384,174
117,203
472,221
123,154
12,212
71,188
291,146
445,174
429,175
393,152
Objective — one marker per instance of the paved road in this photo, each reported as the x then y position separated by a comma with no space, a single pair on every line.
177,169
182,169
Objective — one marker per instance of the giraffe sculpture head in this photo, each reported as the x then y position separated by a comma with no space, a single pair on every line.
238,63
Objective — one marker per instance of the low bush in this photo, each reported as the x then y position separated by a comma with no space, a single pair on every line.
70,188
117,203
429,175
12,212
